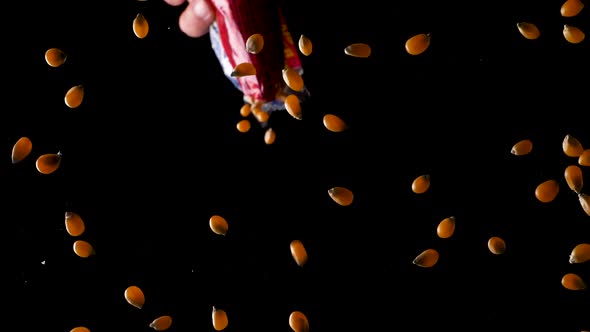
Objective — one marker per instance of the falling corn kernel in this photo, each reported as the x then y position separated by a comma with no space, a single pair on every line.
421,184
528,30
134,296
298,322
573,34
496,245
547,191
243,126
341,195
83,249
269,136
243,69
358,50
256,109
161,323
574,178
80,329
21,149
572,147
418,44
245,110
55,57
584,202
219,317
584,159
571,8
298,252
48,163
74,224
254,43
446,228
580,254
140,26
427,258
262,116
573,281
334,123
305,45
218,225
293,106
293,79
74,96
522,147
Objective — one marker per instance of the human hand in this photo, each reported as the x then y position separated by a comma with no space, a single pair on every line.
196,18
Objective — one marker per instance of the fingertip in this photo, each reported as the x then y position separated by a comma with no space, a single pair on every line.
204,10
191,24
175,2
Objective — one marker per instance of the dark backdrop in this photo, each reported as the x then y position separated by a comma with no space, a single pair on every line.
153,152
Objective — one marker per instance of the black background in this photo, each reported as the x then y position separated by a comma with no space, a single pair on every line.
153,152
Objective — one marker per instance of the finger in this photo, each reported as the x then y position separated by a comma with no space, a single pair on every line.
205,10
175,2
195,20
